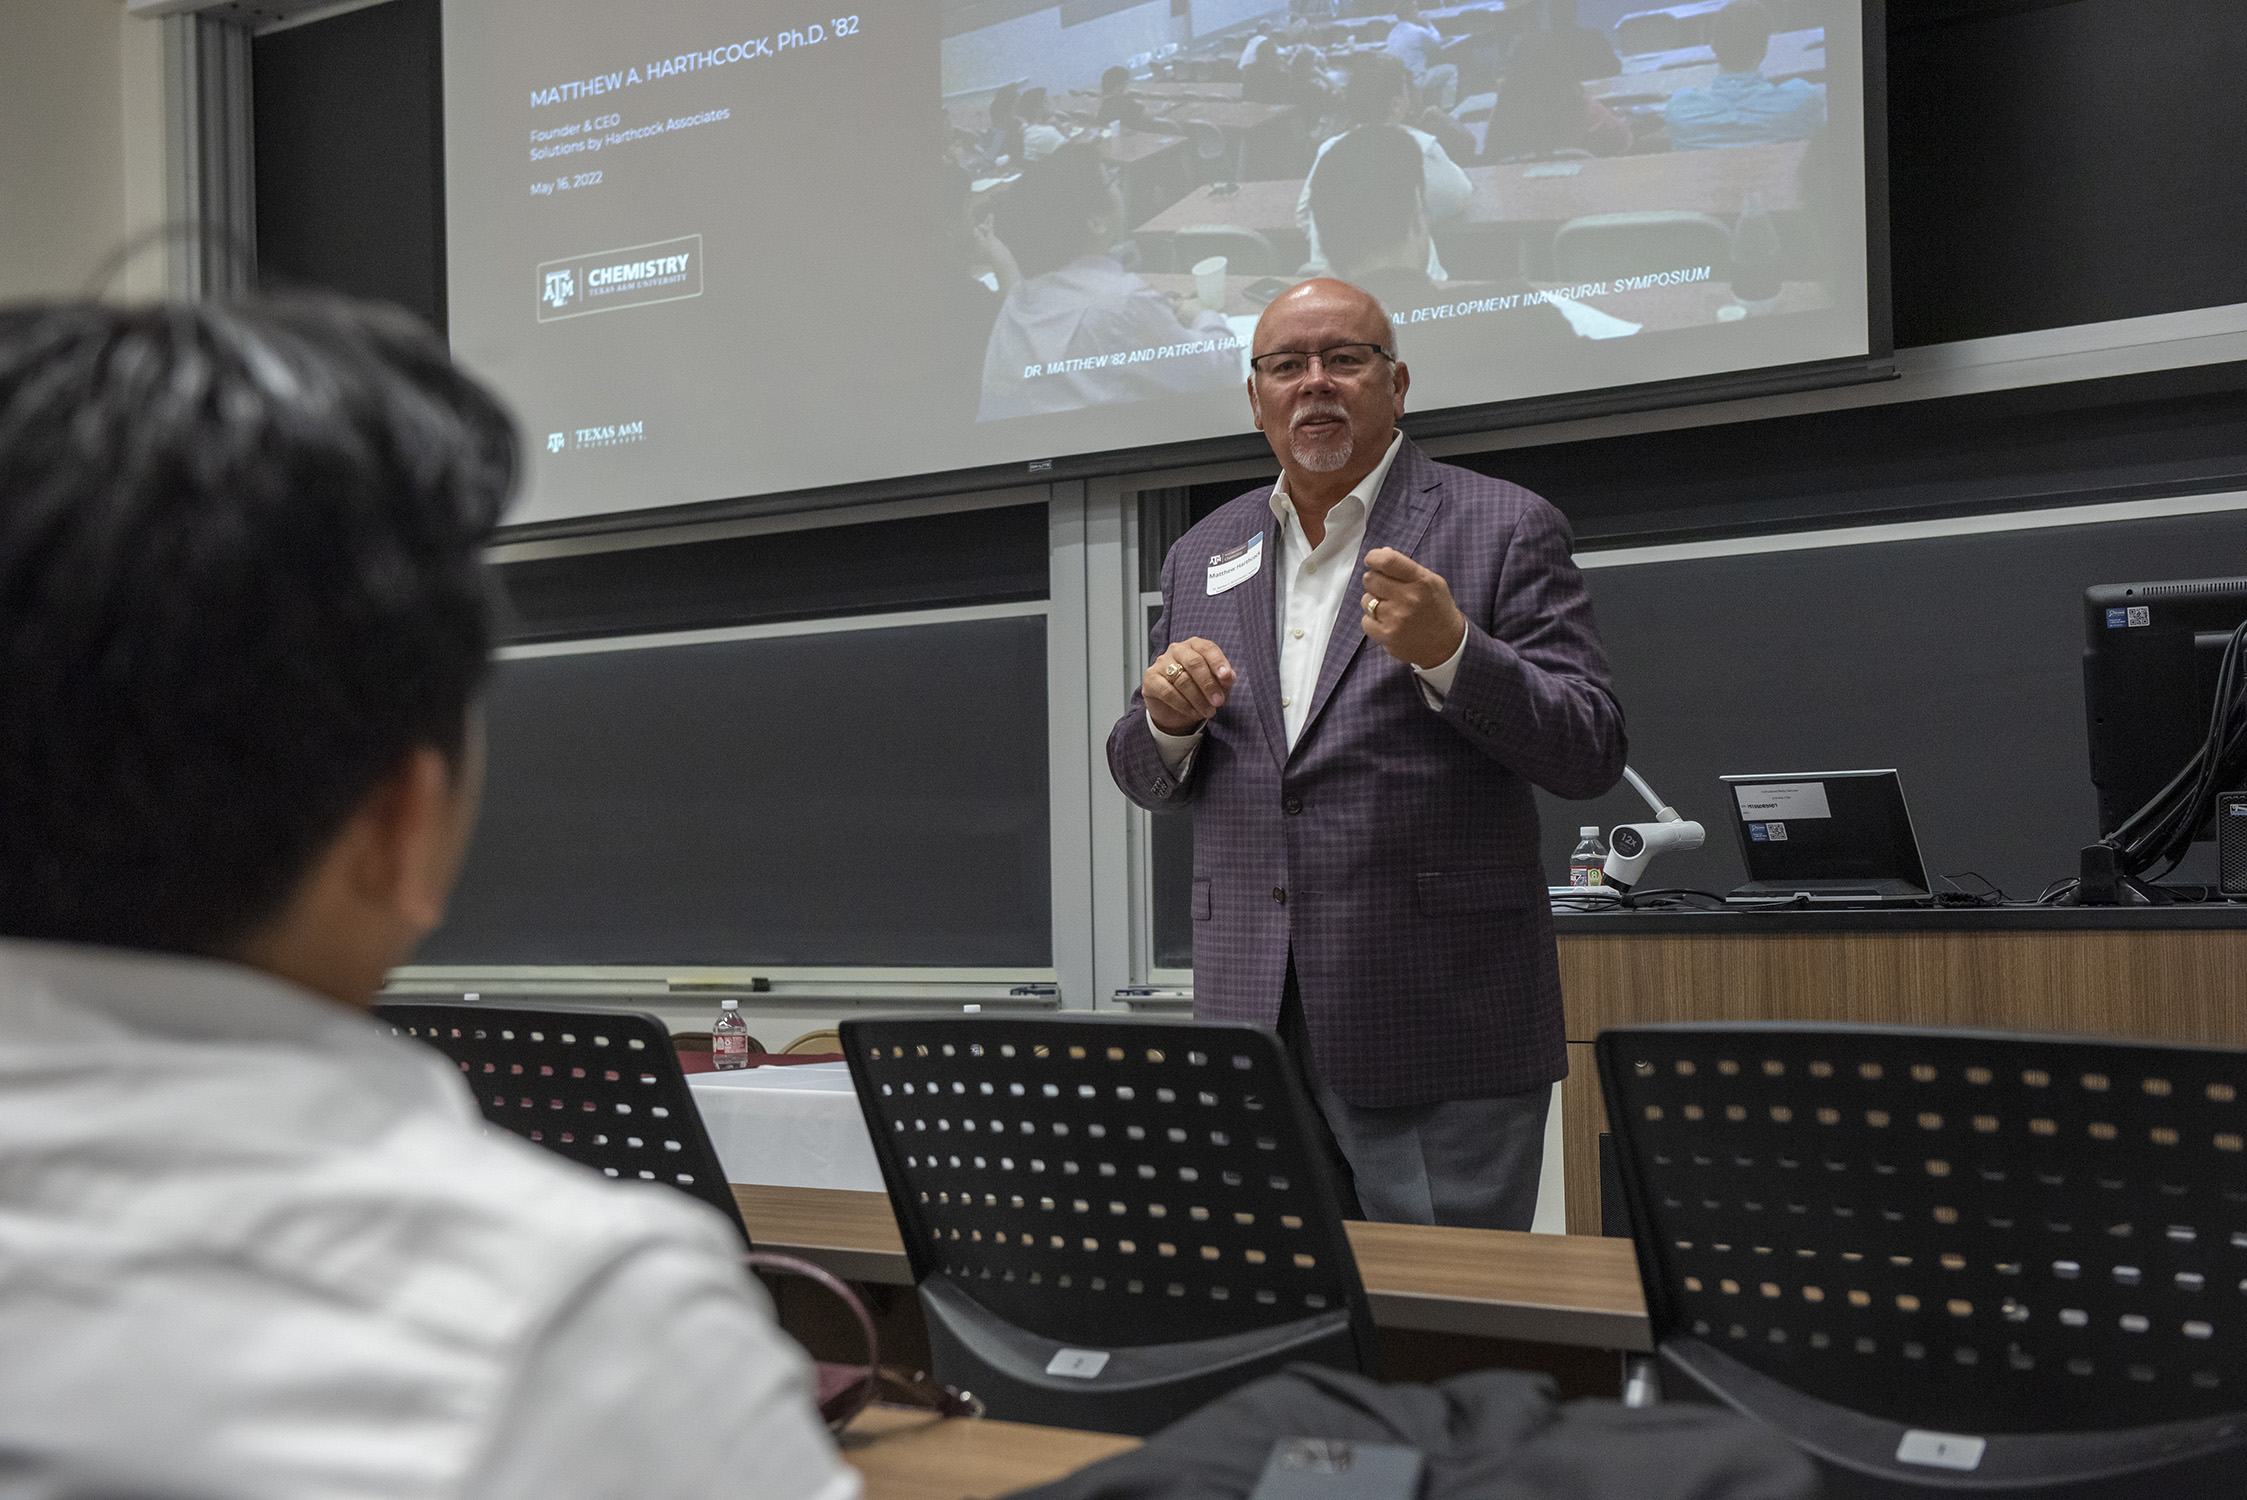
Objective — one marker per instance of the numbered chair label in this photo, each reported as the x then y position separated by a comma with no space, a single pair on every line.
1079,1364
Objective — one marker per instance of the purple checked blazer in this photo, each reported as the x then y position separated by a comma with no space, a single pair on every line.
1395,851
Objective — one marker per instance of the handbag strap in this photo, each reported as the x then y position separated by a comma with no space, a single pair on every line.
914,1388
765,1260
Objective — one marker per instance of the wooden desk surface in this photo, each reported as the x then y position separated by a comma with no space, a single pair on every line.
910,1455
1228,113
1266,206
1236,117
1547,1288
1710,182
1130,147
1226,92
1663,82
1156,98
1787,54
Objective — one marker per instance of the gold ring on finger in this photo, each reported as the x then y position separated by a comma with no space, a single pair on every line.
1172,671
1373,609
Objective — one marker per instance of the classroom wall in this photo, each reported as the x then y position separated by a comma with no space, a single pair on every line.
81,111
1216,15
1038,47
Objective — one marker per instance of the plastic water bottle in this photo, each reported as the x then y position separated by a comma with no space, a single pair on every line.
1587,864
1757,258
729,1037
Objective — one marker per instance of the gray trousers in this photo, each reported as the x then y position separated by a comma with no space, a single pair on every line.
1469,1163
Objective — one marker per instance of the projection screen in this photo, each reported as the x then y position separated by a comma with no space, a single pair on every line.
712,249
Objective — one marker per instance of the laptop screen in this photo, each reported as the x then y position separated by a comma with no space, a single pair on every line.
1832,825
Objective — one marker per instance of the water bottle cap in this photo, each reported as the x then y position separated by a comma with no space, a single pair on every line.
729,1005
1590,832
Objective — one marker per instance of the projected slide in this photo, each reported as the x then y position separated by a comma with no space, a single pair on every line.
721,248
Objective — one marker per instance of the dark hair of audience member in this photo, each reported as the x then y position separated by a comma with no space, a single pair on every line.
1061,208
1006,122
1365,192
1540,106
1377,81
1031,106
241,578
1115,80
1741,34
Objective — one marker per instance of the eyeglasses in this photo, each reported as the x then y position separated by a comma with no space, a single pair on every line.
1341,362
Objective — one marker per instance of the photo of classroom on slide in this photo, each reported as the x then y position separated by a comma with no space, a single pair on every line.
1531,189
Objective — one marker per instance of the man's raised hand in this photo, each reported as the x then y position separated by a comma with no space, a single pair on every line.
1186,684
1407,609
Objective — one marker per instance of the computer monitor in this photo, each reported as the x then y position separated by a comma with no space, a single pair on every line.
2150,657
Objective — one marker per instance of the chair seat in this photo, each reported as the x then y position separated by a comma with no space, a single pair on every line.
2205,1456
1131,1389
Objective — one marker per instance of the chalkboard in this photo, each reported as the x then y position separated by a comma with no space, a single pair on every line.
873,796
1958,660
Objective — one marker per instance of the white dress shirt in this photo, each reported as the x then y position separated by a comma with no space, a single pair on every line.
1040,141
252,1245
1314,586
1409,42
1446,192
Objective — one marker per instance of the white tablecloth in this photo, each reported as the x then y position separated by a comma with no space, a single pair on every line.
788,1127
801,1127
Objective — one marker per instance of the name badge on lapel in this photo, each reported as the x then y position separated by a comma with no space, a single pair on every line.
1232,569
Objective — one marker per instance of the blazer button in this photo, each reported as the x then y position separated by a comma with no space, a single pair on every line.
1291,804
1279,894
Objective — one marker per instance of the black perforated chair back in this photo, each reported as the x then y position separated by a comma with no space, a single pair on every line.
603,1088
1998,1237
1136,1195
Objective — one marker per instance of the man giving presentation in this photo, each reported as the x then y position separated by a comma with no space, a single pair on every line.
1357,675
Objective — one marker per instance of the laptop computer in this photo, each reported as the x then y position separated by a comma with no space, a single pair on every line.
1826,838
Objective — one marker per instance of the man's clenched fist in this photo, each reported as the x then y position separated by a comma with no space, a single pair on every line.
1186,684
1408,610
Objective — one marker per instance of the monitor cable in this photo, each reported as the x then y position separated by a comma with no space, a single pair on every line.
2162,831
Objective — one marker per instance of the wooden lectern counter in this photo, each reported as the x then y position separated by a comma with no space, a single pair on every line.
1475,1283
2169,974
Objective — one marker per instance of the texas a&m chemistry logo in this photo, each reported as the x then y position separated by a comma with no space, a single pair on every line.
610,280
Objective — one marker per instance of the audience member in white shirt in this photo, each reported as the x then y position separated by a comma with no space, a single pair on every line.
1040,136
251,1245
1380,93
1063,333
1410,42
